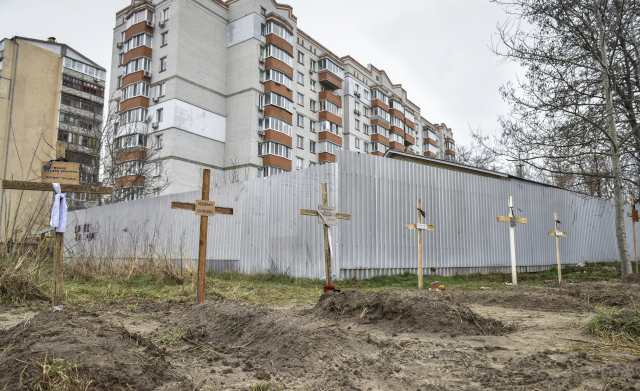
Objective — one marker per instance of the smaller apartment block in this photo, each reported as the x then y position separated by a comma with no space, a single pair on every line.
49,92
239,88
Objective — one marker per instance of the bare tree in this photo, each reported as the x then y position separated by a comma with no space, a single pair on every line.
572,118
478,155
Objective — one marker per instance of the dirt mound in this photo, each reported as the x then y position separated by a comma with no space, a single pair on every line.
632,279
405,311
605,294
524,298
76,349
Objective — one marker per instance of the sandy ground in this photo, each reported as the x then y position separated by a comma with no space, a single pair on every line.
522,339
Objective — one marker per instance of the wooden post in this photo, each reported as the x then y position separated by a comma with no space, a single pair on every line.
202,248
420,227
555,215
634,218
512,220
204,209
512,238
327,248
419,245
328,217
58,246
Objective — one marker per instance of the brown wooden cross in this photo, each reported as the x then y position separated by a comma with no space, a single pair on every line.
557,234
58,240
205,209
420,227
634,218
327,215
512,235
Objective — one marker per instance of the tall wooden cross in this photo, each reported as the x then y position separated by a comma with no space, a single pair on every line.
512,220
205,209
557,234
327,216
420,227
634,218
58,239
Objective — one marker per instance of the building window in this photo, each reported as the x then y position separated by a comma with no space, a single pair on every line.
159,115
301,78
312,164
357,105
122,36
300,57
263,11
301,120
263,29
159,141
366,129
300,142
312,146
312,105
367,111
80,85
165,38
366,147
120,58
163,64
158,170
357,143
156,192
312,65
300,99
366,95
312,125
160,90
312,85
299,163
357,125
165,14
119,81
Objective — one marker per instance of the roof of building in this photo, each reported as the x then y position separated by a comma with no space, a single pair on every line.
89,61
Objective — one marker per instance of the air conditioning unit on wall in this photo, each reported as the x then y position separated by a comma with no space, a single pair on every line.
147,74
119,45
154,125
161,23
149,23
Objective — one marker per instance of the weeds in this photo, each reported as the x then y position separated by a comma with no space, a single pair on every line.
263,387
56,374
171,337
621,324
19,280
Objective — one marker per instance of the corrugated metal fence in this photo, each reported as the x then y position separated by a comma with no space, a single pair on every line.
267,232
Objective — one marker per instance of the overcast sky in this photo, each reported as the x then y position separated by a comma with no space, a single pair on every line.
437,49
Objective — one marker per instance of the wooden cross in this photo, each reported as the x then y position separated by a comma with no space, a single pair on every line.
327,216
420,227
205,209
58,239
634,218
557,234
512,220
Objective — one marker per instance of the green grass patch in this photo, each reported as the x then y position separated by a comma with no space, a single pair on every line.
622,324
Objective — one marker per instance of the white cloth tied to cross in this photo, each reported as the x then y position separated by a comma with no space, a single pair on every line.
59,211
324,220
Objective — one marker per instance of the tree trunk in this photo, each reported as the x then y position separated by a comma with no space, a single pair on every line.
618,191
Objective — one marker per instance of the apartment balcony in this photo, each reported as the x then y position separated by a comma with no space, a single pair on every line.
379,138
396,145
135,77
429,140
278,88
409,139
326,157
397,113
275,111
379,103
131,103
329,80
140,27
409,123
327,115
129,181
430,154
450,152
131,155
328,95
330,137
279,137
272,62
397,130
276,161
279,42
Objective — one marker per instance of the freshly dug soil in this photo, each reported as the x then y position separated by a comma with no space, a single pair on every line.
604,294
632,279
408,312
107,355
404,341
526,298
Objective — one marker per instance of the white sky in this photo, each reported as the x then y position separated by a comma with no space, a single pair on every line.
437,49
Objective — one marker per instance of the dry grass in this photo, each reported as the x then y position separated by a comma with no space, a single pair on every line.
53,374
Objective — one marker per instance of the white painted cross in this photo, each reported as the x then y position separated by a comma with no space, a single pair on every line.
420,227
512,235
557,234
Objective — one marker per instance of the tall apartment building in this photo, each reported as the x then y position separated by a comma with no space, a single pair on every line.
238,88
48,92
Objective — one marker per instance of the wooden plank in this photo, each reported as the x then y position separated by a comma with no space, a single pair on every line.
507,219
327,248
419,245
37,186
192,207
344,216
311,212
202,246
58,249
205,208
411,226
64,173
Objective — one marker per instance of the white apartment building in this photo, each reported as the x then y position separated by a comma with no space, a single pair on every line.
238,88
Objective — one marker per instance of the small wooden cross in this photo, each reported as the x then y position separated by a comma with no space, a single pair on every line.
58,239
327,216
512,220
634,218
420,227
557,234
205,209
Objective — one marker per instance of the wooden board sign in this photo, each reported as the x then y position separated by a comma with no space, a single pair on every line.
205,208
425,226
64,173
330,214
